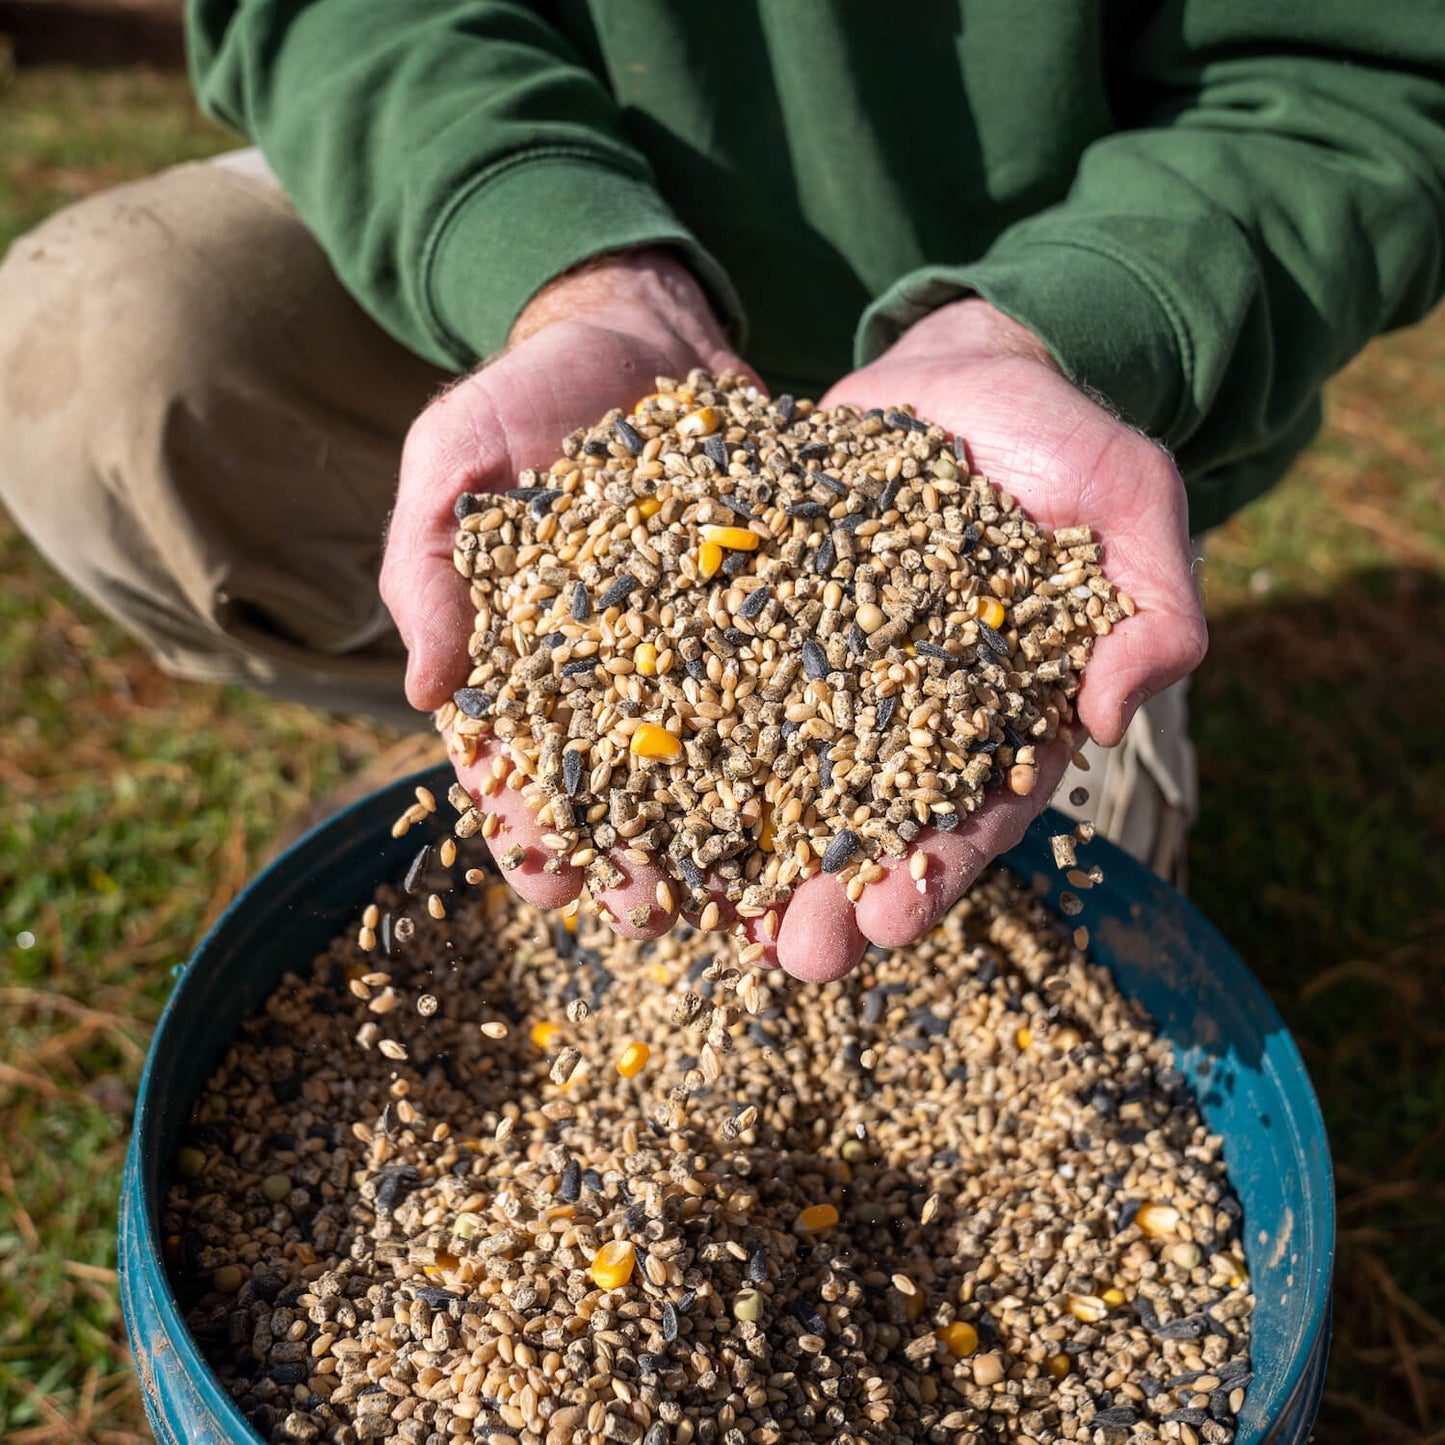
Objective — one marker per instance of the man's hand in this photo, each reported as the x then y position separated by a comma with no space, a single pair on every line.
594,339
1069,462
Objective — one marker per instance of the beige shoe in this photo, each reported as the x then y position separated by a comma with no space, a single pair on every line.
1143,794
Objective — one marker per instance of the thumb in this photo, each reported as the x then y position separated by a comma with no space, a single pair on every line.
438,622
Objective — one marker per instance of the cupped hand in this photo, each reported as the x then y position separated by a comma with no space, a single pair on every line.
1069,462
594,339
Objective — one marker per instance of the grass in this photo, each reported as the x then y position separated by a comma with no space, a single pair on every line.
132,807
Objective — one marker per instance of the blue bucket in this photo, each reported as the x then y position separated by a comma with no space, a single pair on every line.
1245,1069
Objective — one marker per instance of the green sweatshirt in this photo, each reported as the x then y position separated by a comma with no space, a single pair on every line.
1204,207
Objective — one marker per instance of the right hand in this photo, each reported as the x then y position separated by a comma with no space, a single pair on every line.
592,340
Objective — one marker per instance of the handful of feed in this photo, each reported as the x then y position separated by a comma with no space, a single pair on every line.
748,640
502,1180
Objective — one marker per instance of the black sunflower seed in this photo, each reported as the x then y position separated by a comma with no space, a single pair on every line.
815,661
594,448
616,595
889,494
838,488
736,562
691,873
541,504
786,407
1118,1416
899,420
754,602
414,874
945,822
758,1265
472,701
826,557
814,451
581,608
971,534
736,636
628,436
932,649
468,503
805,509
670,1323
572,772
886,709
840,850
716,450
993,638
569,1191
581,667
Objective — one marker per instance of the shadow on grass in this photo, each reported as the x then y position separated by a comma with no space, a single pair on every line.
1320,854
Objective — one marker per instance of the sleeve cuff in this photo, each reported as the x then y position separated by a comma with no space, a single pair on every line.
1104,320
520,225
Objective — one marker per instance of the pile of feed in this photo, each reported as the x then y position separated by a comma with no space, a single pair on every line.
505,1180
744,636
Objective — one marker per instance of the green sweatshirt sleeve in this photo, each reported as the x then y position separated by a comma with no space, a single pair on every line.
1274,197
451,156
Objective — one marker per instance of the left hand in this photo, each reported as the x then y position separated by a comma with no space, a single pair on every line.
1069,462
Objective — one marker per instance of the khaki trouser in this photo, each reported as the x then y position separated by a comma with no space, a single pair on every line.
201,430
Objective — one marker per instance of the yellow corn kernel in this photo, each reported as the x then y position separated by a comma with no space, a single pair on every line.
633,1059
1059,1365
569,921
700,423
644,659
1113,1298
658,974
818,1216
709,559
765,831
736,539
1023,1037
612,1267
988,609
649,506
1086,1307
959,1339
651,741
660,397
545,1033
914,1305
1157,1220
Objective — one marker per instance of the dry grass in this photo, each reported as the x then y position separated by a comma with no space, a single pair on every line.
132,808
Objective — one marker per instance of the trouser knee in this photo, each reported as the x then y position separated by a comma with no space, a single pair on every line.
200,429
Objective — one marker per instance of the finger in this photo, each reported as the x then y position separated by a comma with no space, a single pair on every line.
894,912
635,908
438,625
819,938
452,447
517,825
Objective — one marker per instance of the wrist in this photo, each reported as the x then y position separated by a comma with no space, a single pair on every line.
648,293
976,329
